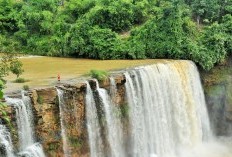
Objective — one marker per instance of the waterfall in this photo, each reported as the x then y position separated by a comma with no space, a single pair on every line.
167,112
24,119
93,126
114,127
6,147
160,111
167,109
66,150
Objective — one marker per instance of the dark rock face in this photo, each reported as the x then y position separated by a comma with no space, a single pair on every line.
216,101
218,93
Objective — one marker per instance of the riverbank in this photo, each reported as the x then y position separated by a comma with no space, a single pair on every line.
43,71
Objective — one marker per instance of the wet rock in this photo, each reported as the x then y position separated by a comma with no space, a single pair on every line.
218,93
47,94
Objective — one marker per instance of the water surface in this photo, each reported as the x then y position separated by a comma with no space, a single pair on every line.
43,71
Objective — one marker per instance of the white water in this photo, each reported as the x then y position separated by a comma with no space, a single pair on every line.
5,141
114,126
32,151
167,109
66,150
24,119
93,127
167,114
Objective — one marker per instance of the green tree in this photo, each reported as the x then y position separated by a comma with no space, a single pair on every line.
16,67
8,23
118,15
227,26
206,10
214,39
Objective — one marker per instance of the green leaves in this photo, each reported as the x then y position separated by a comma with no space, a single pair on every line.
1,94
100,75
1,87
199,30
16,67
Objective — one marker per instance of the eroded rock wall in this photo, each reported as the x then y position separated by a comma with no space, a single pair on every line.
46,120
47,116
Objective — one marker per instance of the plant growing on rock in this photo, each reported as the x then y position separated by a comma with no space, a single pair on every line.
40,100
100,75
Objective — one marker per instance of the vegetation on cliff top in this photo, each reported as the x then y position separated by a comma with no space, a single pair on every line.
199,30
8,63
100,75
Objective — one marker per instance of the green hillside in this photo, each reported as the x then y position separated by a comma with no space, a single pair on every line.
199,30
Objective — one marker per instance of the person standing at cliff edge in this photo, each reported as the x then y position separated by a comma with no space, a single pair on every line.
58,77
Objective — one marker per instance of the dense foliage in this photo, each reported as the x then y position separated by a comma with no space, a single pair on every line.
199,30
8,63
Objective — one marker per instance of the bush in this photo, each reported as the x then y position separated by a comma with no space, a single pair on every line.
25,87
20,80
100,75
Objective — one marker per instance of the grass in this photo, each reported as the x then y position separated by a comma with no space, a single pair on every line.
43,71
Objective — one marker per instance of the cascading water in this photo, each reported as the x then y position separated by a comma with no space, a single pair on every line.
114,126
34,150
66,150
93,126
167,112
6,147
167,109
24,119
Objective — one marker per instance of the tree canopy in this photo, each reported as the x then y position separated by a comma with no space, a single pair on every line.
199,30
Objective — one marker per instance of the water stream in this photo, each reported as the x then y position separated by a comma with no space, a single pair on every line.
6,147
66,149
93,126
113,124
24,118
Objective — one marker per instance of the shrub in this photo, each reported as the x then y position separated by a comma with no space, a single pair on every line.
25,87
100,75
20,80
